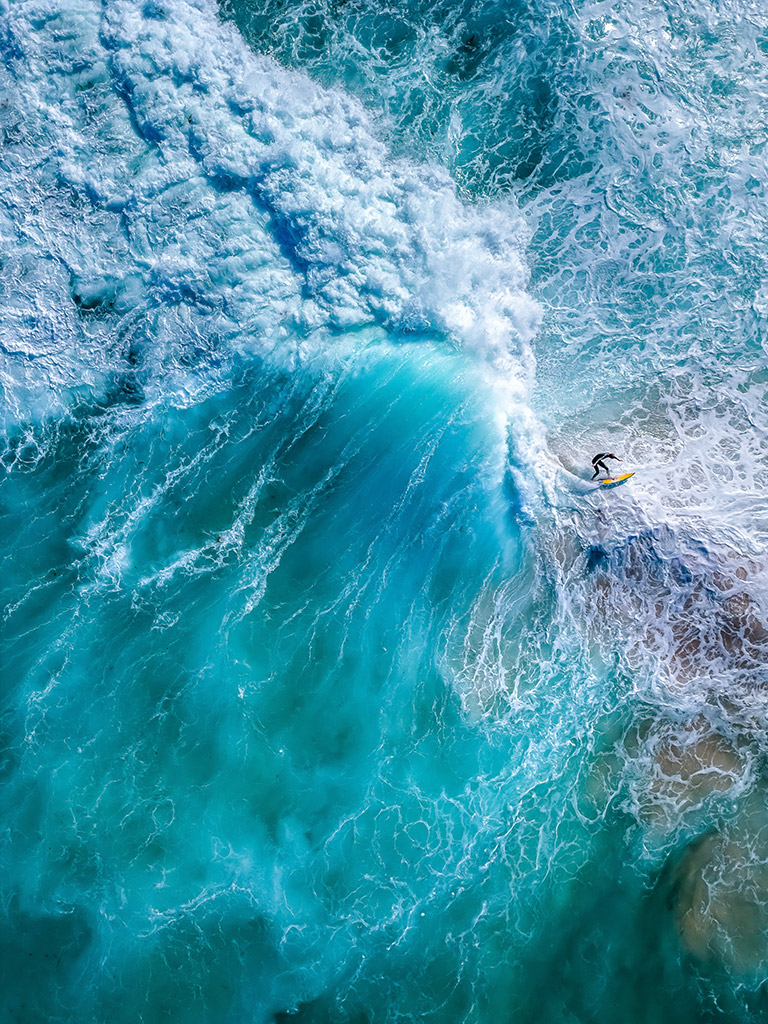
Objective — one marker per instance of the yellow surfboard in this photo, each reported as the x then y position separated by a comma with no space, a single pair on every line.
614,481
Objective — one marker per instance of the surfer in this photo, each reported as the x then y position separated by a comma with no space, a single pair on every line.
598,463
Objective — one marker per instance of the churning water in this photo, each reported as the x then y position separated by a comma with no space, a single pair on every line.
332,691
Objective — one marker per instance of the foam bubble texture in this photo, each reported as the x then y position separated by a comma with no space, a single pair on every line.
190,199
309,709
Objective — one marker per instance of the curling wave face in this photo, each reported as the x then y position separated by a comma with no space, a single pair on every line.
324,695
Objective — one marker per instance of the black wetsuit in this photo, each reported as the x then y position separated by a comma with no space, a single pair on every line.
598,463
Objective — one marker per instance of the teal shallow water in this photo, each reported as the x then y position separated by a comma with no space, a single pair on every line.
330,690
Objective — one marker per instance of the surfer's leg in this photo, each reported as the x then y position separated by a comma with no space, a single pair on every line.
597,472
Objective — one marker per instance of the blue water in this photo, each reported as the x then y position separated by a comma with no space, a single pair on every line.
331,689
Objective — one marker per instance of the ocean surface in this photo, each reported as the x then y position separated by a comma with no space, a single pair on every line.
333,692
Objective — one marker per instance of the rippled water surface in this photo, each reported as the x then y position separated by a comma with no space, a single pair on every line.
332,689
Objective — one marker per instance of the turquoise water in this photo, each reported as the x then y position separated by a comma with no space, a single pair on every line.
331,690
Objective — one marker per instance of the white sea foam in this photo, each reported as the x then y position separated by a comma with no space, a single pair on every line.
285,609
169,198
654,347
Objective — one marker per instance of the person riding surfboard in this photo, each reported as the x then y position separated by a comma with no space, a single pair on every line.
598,463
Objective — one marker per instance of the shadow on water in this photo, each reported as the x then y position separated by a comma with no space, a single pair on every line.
39,954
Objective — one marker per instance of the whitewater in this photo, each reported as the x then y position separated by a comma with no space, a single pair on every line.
332,689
